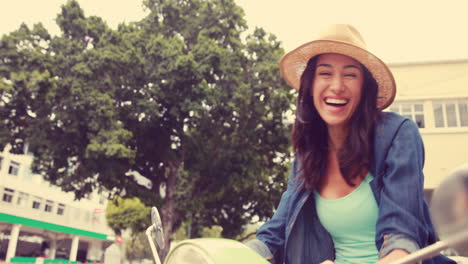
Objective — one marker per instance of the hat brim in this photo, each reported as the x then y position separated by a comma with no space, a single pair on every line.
293,64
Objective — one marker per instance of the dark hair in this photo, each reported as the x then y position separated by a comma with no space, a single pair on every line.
310,134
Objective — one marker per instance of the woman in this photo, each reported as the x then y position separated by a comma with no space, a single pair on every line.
355,192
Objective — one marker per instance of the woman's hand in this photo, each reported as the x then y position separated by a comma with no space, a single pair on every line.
392,256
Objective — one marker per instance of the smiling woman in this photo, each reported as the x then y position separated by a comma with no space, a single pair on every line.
336,89
353,162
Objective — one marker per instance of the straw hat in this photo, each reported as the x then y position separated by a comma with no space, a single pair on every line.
346,40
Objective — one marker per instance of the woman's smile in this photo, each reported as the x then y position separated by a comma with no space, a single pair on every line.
336,104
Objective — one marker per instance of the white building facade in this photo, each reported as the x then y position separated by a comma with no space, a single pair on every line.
435,96
39,220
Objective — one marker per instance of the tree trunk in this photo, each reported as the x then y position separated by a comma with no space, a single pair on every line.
167,211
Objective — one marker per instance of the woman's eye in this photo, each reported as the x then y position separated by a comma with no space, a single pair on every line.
325,73
350,75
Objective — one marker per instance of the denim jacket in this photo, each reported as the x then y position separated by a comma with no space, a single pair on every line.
294,235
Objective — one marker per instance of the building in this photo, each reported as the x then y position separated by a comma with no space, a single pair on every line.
38,219
435,96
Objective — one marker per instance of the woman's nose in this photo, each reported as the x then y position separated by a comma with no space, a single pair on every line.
337,85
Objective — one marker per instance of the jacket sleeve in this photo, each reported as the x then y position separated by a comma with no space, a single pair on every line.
402,223
271,236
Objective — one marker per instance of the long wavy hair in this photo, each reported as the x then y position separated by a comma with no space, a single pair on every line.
310,134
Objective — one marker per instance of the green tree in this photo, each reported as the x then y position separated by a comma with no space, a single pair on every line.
130,213
127,213
214,231
178,97
137,248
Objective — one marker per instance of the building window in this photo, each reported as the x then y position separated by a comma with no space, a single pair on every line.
414,111
36,204
23,199
14,168
48,206
8,195
60,209
451,113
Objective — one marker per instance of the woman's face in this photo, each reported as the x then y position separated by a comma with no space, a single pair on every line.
337,88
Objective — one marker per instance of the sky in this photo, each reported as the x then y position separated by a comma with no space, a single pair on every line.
395,30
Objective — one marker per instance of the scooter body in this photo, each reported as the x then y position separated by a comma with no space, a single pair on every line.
212,251
449,212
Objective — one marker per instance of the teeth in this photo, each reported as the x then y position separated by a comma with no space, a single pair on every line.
335,101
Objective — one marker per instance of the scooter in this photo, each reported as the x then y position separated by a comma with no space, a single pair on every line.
449,212
200,250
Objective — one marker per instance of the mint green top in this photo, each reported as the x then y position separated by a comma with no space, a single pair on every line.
351,222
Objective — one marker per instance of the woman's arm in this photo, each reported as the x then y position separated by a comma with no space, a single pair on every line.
402,222
394,255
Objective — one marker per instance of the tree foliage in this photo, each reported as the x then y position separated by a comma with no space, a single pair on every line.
130,214
137,248
179,97
127,213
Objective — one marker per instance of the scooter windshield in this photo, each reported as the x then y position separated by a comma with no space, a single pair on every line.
188,254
